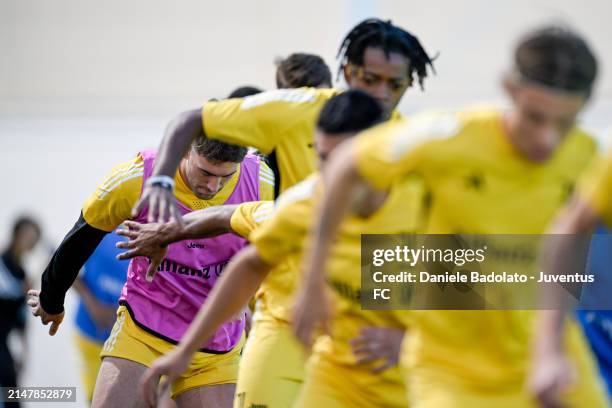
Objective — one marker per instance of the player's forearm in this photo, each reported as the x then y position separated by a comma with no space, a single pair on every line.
340,182
236,287
563,252
178,136
63,269
208,222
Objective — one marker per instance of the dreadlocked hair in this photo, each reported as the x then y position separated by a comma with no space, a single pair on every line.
374,32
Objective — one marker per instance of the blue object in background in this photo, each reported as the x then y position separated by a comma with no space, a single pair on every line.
104,276
597,324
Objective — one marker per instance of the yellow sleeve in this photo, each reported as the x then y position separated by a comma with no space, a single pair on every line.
260,120
112,202
248,216
394,149
595,187
266,182
283,233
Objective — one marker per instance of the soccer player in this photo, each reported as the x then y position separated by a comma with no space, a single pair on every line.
271,371
376,56
154,314
591,206
484,171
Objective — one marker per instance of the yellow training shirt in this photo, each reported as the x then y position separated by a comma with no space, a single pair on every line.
476,183
596,187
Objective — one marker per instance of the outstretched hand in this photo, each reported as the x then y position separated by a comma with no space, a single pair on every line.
46,318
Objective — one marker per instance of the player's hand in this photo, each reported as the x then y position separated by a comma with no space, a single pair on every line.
311,313
46,318
171,365
161,203
550,374
374,343
145,240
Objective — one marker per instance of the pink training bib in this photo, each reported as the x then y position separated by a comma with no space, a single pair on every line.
167,306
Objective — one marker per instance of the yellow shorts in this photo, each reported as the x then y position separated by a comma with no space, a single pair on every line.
272,367
433,387
90,362
329,385
130,342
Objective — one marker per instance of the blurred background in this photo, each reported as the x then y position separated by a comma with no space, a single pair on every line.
84,85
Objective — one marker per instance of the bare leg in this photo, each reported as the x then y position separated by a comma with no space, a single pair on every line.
212,396
117,384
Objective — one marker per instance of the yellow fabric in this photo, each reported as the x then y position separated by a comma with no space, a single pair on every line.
432,387
248,216
478,184
90,362
596,187
129,342
272,367
279,242
330,385
282,121
112,202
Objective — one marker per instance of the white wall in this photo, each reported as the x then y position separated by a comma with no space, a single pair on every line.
84,84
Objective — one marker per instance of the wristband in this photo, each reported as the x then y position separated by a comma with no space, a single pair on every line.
161,181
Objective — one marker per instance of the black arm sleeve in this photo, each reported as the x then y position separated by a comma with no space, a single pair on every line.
75,249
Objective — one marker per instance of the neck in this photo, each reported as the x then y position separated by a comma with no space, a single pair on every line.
182,169
509,130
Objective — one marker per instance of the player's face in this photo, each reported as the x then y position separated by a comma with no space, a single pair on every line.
326,143
385,79
206,178
541,119
26,238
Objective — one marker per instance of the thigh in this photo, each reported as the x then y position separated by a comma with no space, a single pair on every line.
271,370
210,396
117,384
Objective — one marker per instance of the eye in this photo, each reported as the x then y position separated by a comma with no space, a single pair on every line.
370,80
396,85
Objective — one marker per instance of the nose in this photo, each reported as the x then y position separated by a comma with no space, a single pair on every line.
382,92
546,140
214,184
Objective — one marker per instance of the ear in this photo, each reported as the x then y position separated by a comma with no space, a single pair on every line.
510,85
348,76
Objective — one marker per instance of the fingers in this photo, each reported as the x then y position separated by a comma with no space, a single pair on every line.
163,389
151,270
128,234
388,364
54,327
175,215
140,205
153,203
126,244
163,209
367,358
132,225
34,302
148,387
128,254
303,331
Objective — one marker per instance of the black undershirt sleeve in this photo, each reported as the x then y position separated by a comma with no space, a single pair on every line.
77,246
